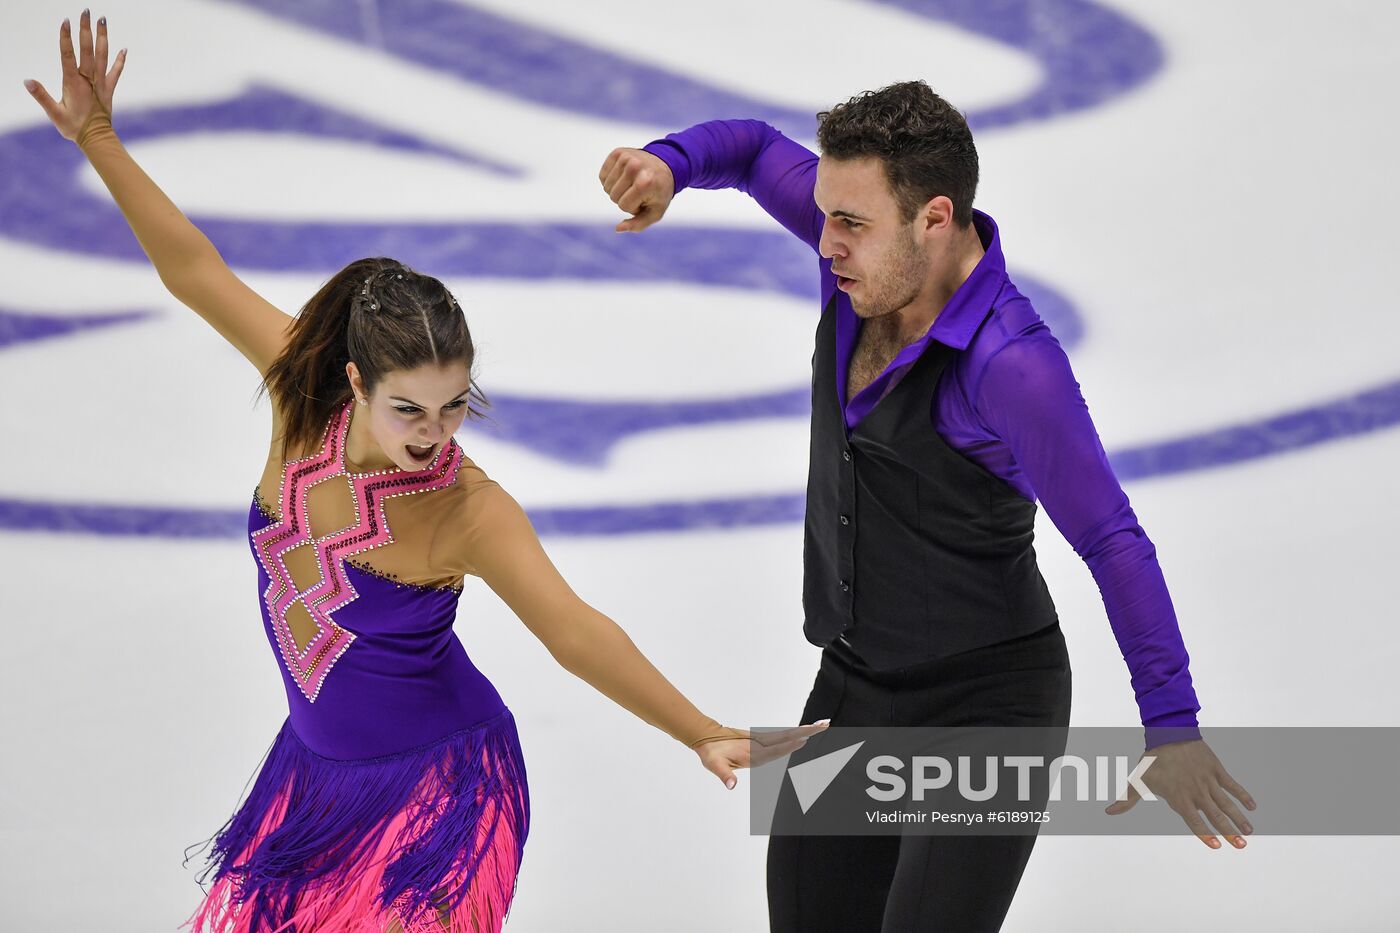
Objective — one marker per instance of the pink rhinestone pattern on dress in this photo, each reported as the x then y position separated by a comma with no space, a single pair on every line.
310,665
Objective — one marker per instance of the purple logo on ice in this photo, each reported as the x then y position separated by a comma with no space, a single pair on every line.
1092,55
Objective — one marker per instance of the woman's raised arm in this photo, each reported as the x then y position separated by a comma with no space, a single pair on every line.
188,264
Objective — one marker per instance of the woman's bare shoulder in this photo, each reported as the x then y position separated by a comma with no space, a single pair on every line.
476,494
478,512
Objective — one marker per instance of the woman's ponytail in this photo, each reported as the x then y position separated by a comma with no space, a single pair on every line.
377,312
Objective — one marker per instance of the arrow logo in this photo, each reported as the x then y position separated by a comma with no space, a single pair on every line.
811,778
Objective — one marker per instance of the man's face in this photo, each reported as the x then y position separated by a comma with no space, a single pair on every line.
875,254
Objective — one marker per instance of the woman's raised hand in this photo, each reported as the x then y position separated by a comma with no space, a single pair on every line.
87,83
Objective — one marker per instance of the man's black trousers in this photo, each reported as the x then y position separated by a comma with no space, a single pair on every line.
918,883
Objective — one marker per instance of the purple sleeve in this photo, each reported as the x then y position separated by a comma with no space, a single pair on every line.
1028,396
755,158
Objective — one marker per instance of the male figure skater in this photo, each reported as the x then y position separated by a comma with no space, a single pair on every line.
942,408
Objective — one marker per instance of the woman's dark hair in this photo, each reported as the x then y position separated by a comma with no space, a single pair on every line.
385,317
922,142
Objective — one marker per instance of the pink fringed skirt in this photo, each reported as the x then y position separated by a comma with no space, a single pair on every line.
424,841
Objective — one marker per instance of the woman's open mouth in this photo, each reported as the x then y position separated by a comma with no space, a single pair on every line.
421,455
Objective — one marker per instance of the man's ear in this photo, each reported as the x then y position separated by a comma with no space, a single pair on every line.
937,214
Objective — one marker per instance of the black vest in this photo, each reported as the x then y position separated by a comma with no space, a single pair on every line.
911,550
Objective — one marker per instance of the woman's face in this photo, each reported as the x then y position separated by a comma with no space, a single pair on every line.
413,412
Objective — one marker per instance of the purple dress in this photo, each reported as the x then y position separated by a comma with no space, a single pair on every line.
395,789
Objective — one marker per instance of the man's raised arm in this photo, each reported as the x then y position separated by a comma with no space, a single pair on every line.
746,154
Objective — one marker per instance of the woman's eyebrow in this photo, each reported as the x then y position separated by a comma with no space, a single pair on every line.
410,401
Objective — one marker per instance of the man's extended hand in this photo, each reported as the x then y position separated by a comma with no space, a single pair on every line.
1192,781
639,183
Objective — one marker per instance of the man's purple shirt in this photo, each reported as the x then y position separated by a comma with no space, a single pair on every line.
1009,403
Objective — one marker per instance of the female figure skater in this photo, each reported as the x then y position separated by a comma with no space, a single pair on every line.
394,797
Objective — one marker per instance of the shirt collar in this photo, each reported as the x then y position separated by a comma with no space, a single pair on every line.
968,307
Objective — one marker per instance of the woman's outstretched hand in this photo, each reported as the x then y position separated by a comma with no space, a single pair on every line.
87,82
721,755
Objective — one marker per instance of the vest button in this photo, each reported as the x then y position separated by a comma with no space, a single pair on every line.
845,519
846,455
845,587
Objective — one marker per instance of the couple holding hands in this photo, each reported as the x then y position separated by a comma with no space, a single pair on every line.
394,797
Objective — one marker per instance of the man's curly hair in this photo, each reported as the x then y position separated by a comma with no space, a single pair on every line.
920,139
